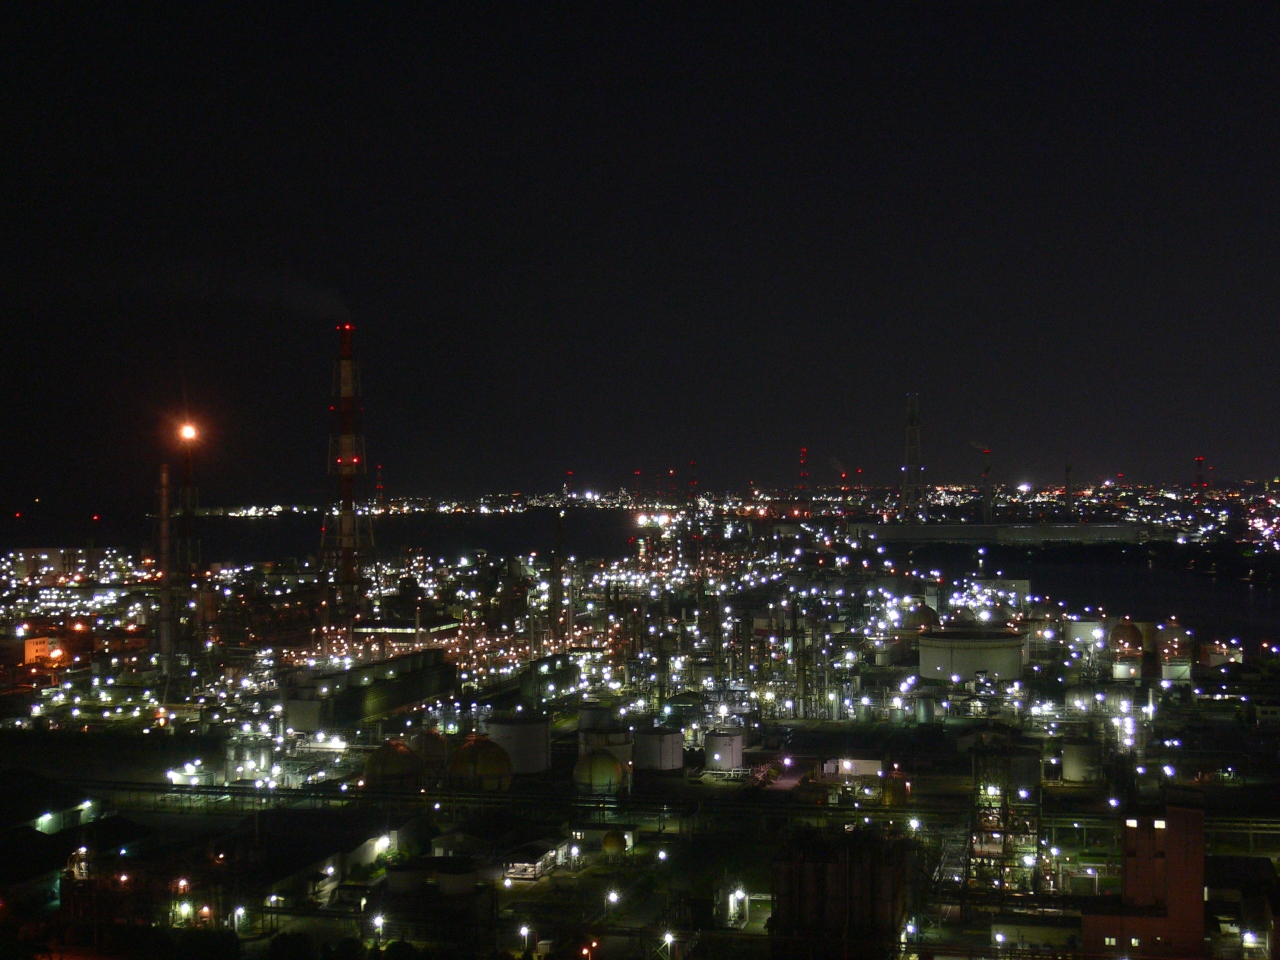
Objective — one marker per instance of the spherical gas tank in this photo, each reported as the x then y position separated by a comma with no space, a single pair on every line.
613,844
480,764
393,764
434,751
598,773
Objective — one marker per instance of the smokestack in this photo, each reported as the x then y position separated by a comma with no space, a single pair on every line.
343,547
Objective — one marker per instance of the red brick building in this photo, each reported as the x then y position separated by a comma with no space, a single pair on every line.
1160,912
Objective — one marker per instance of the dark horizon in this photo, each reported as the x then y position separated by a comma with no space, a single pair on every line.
608,240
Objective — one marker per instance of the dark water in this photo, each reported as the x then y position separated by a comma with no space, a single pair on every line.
585,533
1142,583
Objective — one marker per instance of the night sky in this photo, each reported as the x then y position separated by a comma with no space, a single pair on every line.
603,238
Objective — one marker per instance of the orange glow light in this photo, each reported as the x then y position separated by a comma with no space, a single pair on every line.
187,432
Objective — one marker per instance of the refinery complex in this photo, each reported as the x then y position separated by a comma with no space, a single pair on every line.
826,721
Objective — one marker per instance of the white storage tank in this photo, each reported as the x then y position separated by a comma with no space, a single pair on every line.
249,758
967,651
658,748
1178,671
723,749
1126,670
614,740
1086,633
1080,761
527,741
594,714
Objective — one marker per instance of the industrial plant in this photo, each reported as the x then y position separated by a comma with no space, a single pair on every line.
819,722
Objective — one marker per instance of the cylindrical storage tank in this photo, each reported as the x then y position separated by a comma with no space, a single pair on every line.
249,757
1126,670
613,740
967,651
924,710
594,714
1080,759
897,715
1088,633
1179,671
527,741
598,773
723,749
658,748
864,712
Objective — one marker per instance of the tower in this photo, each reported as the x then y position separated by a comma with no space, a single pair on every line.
914,506
1004,857
346,536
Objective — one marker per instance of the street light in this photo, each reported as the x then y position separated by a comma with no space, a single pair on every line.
524,932
377,926
662,855
188,432
613,896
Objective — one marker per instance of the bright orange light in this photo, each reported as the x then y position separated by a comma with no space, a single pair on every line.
187,432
